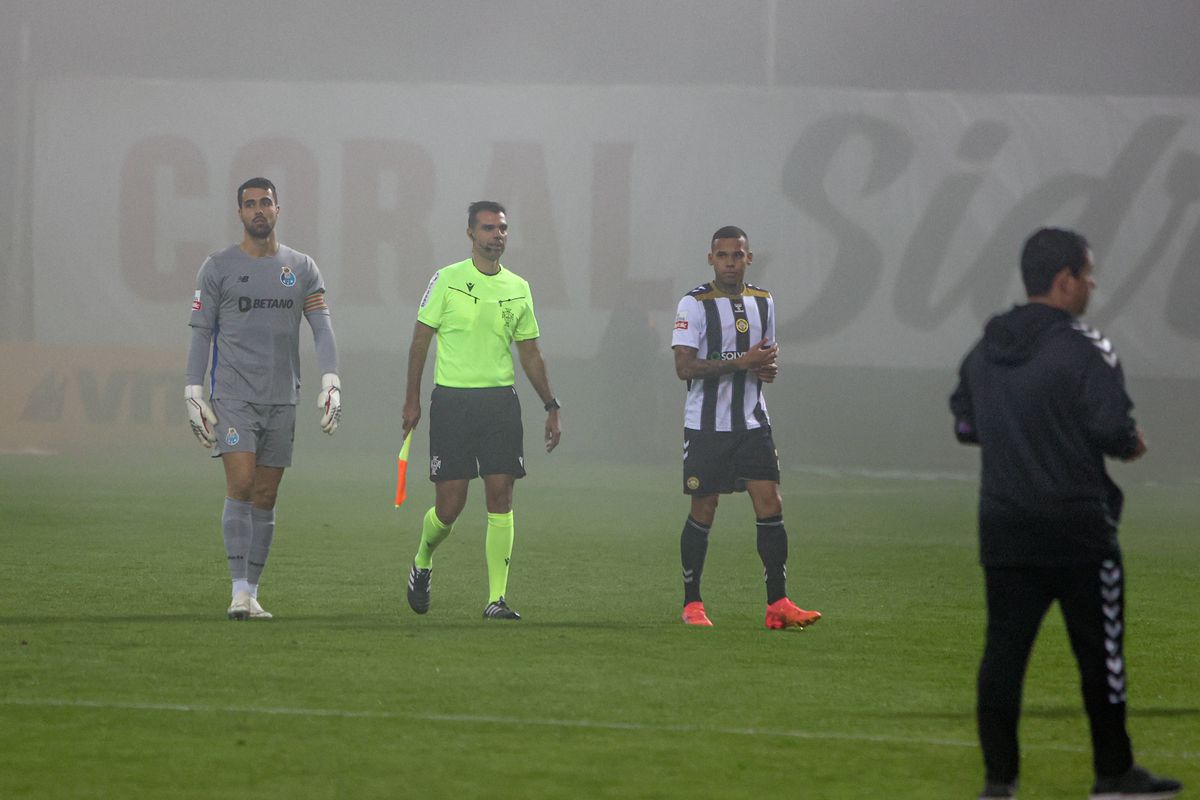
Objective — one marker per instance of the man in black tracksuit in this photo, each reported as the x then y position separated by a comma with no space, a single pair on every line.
1044,397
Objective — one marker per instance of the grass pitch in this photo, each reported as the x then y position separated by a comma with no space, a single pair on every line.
120,676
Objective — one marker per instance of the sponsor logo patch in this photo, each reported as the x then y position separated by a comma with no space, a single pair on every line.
247,303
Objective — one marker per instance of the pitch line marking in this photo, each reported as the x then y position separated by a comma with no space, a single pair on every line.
585,724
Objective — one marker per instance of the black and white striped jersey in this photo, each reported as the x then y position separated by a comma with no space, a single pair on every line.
721,326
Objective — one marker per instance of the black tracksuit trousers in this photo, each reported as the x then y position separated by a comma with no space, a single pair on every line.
1092,598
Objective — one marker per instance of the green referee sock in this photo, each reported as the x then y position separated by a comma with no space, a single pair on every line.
499,546
433,532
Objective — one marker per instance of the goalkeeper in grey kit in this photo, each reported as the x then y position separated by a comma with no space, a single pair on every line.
246,312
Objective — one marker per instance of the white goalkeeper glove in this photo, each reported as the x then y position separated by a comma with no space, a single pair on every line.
330,402
201,416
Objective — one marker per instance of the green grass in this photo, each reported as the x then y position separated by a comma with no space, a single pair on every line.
120,677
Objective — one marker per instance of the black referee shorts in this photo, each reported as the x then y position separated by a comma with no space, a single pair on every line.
720,462
475,432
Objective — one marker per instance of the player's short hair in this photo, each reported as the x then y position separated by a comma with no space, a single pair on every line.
1045,254
257,183
482,205
730,232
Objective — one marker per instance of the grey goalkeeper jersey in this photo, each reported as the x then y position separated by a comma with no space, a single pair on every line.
253,306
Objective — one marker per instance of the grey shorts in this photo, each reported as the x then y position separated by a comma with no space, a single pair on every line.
268,431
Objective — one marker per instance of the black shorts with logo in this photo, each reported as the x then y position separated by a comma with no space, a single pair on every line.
475,432
720,462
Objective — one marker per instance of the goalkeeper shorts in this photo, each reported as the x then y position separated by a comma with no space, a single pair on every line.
266,430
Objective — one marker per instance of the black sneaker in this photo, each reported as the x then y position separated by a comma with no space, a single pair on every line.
997,789
1137,783
499,610
418,588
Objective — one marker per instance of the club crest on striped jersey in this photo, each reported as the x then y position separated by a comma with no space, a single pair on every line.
742,326
287,277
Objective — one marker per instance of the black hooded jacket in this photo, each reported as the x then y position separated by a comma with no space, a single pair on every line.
1044,396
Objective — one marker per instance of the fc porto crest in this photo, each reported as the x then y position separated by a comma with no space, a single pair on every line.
232,437
287,277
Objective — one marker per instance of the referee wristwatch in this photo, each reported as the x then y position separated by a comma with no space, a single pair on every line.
553,404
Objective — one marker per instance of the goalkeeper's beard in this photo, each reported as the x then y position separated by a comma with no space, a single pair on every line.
259,229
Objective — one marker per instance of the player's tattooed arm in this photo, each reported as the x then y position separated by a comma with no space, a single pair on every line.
689,367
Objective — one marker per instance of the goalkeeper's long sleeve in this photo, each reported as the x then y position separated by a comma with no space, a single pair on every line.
197,361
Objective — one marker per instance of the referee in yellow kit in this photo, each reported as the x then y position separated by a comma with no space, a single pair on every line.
477,309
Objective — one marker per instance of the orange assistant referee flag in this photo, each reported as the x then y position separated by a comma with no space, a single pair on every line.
402,471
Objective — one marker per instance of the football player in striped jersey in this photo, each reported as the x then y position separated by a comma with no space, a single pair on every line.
725,350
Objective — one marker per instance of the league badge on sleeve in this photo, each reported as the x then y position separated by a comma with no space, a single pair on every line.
196,305
429,288
681,322
287,277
